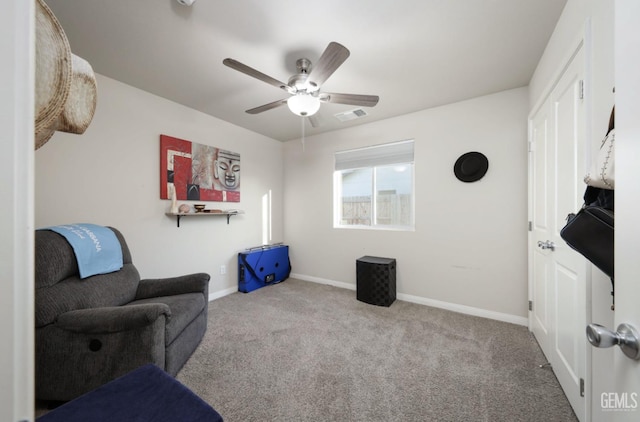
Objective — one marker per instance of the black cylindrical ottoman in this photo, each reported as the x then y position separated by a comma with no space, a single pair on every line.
376,280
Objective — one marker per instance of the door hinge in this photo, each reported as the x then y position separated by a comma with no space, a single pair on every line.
581,89
531,305
530,226
581,387
532,146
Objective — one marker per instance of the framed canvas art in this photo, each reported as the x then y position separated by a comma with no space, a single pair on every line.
198,172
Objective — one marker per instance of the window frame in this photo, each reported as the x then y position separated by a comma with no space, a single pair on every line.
338,185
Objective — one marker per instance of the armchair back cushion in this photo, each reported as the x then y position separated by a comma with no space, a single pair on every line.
59,288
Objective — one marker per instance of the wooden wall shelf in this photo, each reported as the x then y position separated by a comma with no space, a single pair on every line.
227,213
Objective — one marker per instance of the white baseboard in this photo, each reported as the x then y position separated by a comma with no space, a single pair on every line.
222,293
319,280
463,309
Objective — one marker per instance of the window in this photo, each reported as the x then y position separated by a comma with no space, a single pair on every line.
374,187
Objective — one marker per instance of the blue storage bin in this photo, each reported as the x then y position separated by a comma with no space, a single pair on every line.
262,266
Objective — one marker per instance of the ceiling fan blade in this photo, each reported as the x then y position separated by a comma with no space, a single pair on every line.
240,67
351,99
267,106
334,55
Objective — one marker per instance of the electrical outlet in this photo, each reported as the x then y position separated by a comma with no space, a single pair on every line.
223,269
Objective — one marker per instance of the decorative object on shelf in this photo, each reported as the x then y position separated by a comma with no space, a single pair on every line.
183,209
471,167
65,88
174,202
228,213
198,172
199,207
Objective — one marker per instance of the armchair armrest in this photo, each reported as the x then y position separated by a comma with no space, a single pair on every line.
192,283
112,319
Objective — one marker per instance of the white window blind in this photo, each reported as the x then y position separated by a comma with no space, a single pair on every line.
378,155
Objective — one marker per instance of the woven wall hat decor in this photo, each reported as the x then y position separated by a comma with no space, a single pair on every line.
65,89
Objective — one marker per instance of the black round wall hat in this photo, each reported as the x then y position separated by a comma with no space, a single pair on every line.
471,167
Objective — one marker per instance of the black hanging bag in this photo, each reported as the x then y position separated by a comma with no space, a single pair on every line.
590,232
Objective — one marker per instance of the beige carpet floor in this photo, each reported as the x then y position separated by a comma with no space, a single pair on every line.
301,351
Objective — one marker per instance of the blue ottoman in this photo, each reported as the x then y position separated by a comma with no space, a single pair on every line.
145,394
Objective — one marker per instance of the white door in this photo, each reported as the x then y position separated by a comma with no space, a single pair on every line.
558,274
623,404
542,183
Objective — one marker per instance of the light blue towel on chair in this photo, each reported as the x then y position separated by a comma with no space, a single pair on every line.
97,248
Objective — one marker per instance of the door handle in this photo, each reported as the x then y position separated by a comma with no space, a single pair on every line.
547,244
626,337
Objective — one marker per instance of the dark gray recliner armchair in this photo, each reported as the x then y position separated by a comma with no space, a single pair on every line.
91,331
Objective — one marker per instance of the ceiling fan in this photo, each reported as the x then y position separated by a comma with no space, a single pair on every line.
304,87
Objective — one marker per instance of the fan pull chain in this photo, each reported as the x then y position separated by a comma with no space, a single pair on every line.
302,120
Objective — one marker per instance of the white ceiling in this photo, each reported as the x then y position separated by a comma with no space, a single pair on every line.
414,54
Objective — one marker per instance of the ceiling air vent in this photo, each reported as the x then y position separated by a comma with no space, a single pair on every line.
351,115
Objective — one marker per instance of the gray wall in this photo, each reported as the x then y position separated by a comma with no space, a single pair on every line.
469,246
110,175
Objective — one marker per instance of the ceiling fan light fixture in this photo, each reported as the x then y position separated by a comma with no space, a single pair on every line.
303,104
